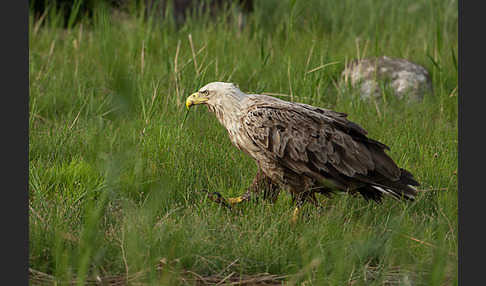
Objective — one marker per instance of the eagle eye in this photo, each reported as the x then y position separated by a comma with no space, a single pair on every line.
204,92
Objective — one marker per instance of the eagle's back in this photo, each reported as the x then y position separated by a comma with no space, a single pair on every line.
299,141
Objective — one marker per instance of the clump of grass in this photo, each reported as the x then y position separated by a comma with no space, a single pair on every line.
114,180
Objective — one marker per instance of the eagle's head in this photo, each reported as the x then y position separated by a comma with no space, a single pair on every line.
215,94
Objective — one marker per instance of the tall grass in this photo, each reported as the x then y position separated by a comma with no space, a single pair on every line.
114,181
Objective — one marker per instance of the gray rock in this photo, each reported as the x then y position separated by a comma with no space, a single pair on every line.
406,79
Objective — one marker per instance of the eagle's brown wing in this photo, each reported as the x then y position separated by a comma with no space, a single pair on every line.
311,140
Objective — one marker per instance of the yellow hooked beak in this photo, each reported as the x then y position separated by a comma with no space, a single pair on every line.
195,98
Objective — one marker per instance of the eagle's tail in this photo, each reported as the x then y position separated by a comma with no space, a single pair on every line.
404,188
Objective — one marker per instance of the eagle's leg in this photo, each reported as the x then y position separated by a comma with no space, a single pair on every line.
300,199
321,190
217,198
295,214
264,184
261,183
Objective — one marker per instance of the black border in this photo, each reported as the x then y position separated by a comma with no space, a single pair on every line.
14,22
471,192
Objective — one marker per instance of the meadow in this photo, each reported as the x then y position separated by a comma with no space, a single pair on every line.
115,181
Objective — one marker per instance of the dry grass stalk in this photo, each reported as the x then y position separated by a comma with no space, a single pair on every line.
191,59
39,278
391,277
39,22
193,54
433,190
309,57
322,66
176,72
290,83
142,58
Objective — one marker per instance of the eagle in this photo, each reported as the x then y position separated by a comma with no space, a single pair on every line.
303,149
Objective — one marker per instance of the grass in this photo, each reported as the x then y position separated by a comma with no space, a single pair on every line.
114,179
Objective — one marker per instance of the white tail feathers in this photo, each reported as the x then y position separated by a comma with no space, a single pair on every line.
412,187
389,192
393,193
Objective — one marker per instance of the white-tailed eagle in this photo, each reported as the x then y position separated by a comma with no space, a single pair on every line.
302,148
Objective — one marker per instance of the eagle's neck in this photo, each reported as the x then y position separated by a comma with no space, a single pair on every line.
228,111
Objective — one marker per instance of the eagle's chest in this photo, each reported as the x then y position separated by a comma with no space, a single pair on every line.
243,142
240,139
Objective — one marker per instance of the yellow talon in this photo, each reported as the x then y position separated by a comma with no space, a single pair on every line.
295,216
235,200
